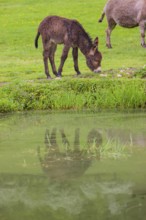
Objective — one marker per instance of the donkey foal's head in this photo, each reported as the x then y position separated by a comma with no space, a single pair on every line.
94,57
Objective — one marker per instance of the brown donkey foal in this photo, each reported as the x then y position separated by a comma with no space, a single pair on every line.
57,30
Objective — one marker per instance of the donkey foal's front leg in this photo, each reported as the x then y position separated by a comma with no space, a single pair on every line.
63,58
75,58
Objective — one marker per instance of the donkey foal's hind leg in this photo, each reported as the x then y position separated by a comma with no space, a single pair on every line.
51,58
45,58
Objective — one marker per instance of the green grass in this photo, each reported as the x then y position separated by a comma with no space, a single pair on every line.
19,60
74,94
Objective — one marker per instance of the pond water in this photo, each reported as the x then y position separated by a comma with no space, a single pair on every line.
73,165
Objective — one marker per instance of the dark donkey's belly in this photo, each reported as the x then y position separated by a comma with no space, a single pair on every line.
127,22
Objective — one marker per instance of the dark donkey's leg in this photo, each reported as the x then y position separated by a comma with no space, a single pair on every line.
51,58
111,26
142,26
75,58
63,58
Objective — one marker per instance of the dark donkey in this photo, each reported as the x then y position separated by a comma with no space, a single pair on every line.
126,13
57,30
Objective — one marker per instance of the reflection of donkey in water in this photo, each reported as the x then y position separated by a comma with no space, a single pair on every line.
68,162
57,30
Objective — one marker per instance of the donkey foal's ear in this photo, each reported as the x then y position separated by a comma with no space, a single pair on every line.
94,47
95,43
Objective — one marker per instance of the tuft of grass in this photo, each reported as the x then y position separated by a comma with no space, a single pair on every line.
114,149
141,72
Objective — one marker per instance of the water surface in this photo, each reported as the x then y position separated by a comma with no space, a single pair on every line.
73,165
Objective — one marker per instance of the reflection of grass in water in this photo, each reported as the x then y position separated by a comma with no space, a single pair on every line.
110,148
114,149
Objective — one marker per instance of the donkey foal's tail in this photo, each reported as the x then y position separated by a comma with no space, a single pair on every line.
36,40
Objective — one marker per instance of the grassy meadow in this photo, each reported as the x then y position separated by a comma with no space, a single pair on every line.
20,19
20,62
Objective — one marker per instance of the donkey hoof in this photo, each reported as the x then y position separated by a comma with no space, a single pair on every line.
78,73
49,78
109,46
143,45
58,75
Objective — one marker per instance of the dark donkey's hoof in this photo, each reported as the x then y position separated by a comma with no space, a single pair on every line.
109,46
143,45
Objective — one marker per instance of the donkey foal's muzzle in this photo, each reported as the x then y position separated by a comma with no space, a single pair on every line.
98,70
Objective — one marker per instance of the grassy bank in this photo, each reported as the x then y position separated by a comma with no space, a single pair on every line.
74,94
